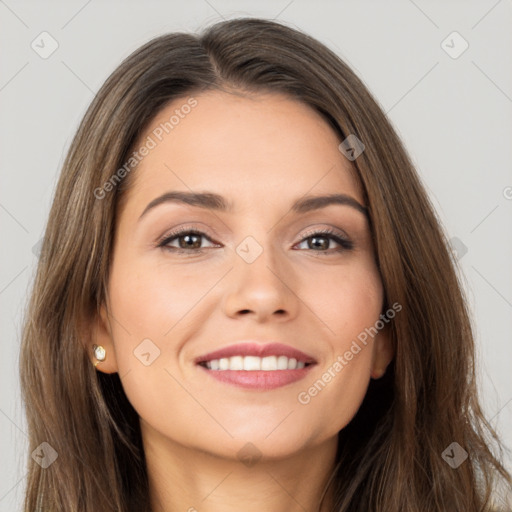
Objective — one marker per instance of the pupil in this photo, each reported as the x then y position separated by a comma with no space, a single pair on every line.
188,238
324,245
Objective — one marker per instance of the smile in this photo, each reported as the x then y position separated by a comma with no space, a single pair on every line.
256,365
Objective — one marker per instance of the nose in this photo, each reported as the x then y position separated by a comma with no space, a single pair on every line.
263,288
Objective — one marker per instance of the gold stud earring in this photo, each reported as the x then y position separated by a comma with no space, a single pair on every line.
99,353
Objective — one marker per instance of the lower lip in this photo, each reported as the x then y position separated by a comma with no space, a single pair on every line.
259,379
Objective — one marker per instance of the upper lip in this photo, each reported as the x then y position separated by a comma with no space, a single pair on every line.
256,349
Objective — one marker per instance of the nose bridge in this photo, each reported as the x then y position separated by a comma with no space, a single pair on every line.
259,280
259,247
258,259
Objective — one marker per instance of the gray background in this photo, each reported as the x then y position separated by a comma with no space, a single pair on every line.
454,116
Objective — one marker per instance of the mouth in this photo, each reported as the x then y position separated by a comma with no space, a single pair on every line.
256,366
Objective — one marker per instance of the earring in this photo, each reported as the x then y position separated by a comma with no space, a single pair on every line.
99,353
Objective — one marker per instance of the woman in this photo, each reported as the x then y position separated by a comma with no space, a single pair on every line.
245,300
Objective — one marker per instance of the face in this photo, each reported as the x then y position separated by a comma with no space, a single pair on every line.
189,278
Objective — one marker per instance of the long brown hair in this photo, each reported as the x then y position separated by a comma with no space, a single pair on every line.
390,456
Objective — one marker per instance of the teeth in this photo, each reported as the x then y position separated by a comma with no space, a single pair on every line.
252,363
236,363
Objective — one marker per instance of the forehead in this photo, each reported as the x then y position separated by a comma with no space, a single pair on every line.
265,146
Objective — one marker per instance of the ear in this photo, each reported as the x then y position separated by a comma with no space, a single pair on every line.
383,352
101,334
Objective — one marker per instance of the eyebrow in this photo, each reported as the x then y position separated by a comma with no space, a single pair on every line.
212,201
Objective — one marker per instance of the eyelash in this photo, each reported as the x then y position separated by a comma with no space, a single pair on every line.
345,244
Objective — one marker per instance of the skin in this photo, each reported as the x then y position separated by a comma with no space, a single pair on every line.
262,153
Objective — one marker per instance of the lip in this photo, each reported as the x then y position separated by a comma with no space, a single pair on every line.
258,379
257,349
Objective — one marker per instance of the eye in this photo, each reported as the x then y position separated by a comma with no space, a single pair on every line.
187,240
320,241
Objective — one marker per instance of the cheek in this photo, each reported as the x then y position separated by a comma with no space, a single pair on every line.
345,300
348,304
155,301
153,311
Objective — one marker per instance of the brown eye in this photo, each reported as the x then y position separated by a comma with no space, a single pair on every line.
320,241
188,240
